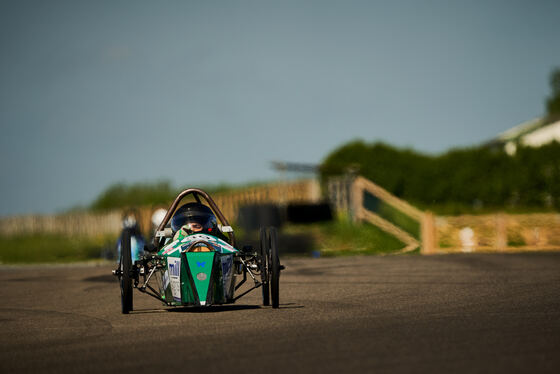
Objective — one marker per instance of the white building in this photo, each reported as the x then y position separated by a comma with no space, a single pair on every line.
532,133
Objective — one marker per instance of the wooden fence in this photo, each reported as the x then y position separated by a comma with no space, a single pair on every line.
339,191
77,224
305,191
437,234
446,234
90,224
493,232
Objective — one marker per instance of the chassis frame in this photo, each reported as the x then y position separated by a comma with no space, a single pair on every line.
262,266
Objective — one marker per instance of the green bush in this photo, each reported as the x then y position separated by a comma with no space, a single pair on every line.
343,237
462,179
48,248
122,195
391,214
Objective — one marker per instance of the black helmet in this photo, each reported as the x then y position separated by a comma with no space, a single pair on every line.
196,213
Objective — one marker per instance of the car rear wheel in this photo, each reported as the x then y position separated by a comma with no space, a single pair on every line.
125,272
274,264
264,266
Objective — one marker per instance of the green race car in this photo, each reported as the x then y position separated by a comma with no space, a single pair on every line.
193,260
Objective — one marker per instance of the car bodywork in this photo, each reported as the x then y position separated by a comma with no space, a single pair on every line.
198,277
198,269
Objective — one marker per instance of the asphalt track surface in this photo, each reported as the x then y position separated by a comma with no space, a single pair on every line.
443,314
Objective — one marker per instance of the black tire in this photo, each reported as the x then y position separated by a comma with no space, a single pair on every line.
126,268
263,252
274,268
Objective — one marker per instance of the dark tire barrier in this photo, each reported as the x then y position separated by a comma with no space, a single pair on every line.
252,217
309,213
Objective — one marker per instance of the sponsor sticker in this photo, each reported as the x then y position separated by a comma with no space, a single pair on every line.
227,264
174,269
219,245
165,280
171,247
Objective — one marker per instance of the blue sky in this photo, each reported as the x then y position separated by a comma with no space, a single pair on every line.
202,92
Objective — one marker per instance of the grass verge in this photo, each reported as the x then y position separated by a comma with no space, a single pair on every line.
47,248
337,238
343,238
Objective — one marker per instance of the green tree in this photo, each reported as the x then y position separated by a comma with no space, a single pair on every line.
467,178
553,102
121,195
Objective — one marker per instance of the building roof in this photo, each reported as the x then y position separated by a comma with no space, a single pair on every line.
520,130
534,133
542,135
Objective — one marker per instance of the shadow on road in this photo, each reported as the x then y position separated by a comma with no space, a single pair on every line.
106,278
290,306
212,308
